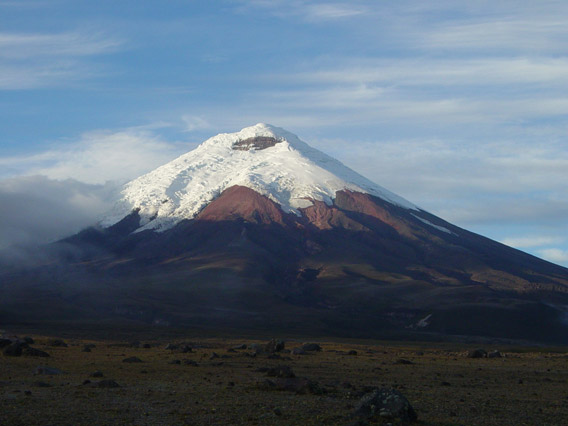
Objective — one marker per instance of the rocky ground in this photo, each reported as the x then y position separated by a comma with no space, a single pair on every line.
208,381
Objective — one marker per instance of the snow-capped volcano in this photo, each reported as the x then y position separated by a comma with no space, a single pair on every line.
270,160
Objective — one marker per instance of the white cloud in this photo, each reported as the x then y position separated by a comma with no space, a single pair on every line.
30,45
532,241
34,60
98,157
434,71
513,33
554,255
193,123
308,10
36,209
332,11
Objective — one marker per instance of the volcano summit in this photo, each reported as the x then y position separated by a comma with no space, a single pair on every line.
256,230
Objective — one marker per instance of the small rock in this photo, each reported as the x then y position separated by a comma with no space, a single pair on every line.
214,356
299,351
185,349
107,384
494,354
299,385
88,347
403,361
57,343
86,382
352,352
97,374
190,362
132,359
47,371
42,384
277,411
29,340
29,351
274,346
477,353
146,346
4,343
280,371
311,347
171,347
243,346
175,362
28,393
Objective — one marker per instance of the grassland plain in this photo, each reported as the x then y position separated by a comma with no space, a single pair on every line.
216,383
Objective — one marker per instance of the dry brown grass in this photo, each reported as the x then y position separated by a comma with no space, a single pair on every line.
525,387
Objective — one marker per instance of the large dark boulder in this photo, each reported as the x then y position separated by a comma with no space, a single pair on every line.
29,351
15,349
311,347
58,343
4,343
385,404
275,346
477,353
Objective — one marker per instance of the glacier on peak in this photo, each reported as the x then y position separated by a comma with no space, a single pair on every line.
267,159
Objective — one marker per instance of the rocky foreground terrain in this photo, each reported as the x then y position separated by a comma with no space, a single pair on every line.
216,381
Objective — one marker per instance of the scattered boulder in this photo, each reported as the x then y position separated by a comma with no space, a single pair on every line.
40,384
47,371
15,349
185,349
29,351
243,346
385,404
132,359
494,354
106,384
214,355
275,346
299,351
477,353
352,352
403,361
299,385
280,371
311,347
57,343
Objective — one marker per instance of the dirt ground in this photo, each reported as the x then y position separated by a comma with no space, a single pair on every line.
215,384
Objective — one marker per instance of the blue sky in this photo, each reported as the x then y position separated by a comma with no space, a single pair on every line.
459,106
